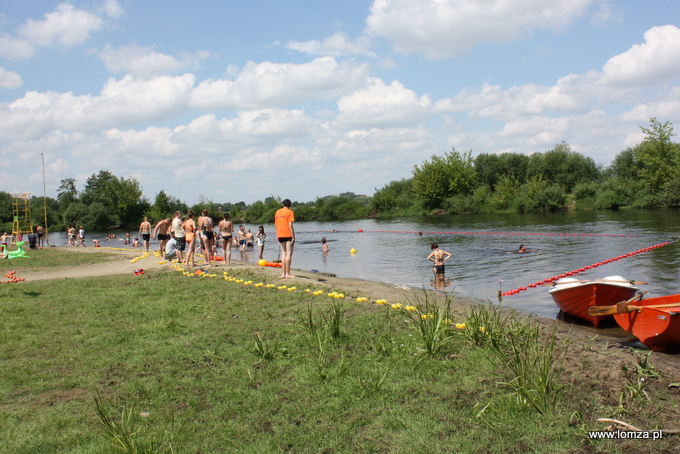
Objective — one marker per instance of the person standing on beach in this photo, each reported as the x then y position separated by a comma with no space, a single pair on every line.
178,235
227,232
285,233
259,239
145,233
189,228
71,235
206,227
81,236
162,233
41,236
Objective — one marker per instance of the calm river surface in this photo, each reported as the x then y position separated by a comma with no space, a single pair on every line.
483,246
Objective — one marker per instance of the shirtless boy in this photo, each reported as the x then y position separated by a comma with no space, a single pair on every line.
242,238
162,232
145,233
438,256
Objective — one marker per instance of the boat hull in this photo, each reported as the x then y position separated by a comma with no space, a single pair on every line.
657,328
575,297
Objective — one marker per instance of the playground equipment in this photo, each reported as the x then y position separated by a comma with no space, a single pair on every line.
21,210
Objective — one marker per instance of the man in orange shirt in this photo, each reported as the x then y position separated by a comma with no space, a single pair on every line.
285,233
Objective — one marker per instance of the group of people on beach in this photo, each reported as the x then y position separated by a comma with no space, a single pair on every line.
75,237
180,237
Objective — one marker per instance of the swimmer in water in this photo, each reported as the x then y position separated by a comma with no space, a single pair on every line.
438,256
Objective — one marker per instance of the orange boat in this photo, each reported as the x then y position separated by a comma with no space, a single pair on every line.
575,296
656,327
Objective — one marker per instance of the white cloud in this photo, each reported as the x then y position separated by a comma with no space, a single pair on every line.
66,26
142,61
644,65
10,79
15,49
337,45
382,105
653,62
667,108
112,9
445,28
121,102
277,84
571,94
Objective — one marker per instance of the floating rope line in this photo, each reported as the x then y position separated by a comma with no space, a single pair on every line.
584,269
422,232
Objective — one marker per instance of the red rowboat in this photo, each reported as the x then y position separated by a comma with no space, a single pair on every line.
656,327
575,297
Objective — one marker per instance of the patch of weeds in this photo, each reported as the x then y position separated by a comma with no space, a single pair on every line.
265,349
374,384
131,431
433,322
321,329
637,381
486,324
534,367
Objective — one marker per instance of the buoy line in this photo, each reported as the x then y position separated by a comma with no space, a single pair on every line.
423,232
576,272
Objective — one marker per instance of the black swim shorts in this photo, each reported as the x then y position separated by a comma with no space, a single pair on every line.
162,237
146,236
181,243
439,269
285,239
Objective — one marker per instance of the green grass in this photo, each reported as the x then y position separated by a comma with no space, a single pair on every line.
222,367
51,257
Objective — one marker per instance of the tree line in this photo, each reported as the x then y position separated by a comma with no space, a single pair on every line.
644,176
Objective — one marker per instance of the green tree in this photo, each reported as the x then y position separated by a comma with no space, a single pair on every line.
443,177
659,158
625,165
99,188
564,167
67,193
396,194
38,211
123,197
128,204
6,207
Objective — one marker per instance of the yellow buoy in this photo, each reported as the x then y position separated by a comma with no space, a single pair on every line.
352,251
262,262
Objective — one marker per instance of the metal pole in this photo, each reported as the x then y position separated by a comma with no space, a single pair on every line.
47,236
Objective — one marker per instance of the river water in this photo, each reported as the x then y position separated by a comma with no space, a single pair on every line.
484,251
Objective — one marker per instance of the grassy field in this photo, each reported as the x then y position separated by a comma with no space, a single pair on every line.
165,362
41,259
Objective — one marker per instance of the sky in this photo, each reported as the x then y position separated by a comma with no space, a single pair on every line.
238,101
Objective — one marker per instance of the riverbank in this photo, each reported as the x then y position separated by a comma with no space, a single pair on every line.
615,342
592,368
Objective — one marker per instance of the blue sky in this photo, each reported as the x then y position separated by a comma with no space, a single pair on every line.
237,101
